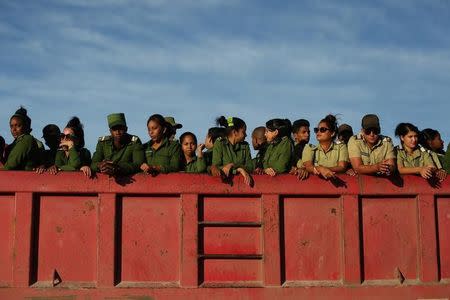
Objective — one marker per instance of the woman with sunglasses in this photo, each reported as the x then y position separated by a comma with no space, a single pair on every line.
327,158
72,156
231,155
280,149
369,151
411,157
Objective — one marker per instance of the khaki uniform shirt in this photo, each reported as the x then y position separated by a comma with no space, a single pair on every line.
329,158
419,158
383,149
278,155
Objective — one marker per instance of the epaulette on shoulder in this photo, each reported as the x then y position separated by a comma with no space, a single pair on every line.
423,149
313,147
39,143
386,139
134,138
358,136
338,142
104,138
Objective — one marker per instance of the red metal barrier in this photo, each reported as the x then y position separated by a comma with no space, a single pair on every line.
193,237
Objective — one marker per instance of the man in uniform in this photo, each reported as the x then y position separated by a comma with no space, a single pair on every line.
52,137
369,151
119,153
172,128
345,132
259,142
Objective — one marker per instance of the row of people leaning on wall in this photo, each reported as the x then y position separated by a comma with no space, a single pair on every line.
282,148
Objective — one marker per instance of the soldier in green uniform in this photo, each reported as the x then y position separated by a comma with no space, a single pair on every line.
232,154
72,156
369,151
192,160
411,157
327,158
2,149
213,134
280,149
119,153
52,137
24,153
172,128
446,159
161,154
259,143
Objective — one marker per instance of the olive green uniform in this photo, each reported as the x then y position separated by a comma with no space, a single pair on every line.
196,165
49,157
23,154
129,158
74,161
167,156
298,153
383,149
329,159
278,155
258,161
225,153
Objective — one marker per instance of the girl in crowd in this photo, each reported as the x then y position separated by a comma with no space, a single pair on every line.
213,134
232,154
431,139
161,154
278,156
72,155
24,153
327,158
192,159
411,159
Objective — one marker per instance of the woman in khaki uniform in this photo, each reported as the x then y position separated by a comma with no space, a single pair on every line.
327,158
413,159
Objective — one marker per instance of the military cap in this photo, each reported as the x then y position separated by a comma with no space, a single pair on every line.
171,121
51,130
345,127
370,121
116,119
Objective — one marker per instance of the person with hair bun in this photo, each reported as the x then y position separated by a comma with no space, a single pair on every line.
328,157
232,154
161,154
213,134
72,156
192,160
431,140
413,159
25,152
278,155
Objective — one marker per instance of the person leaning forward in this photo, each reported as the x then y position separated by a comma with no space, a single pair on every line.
369,151
119,153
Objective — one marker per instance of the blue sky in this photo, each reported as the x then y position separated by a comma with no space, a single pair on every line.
199,59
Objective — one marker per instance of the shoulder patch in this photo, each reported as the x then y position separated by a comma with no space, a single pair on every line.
104,138
134,138
423,149
386,139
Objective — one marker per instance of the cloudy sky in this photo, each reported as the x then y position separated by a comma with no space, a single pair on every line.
199,59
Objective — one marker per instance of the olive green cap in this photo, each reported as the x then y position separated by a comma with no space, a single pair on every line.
345,127
116,119
171,121
370,121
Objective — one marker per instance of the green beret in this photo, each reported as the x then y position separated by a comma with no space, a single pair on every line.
116,119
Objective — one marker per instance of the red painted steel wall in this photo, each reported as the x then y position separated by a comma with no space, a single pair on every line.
192,236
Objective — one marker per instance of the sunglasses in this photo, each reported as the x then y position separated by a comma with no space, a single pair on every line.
67,136
321,129
368,131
